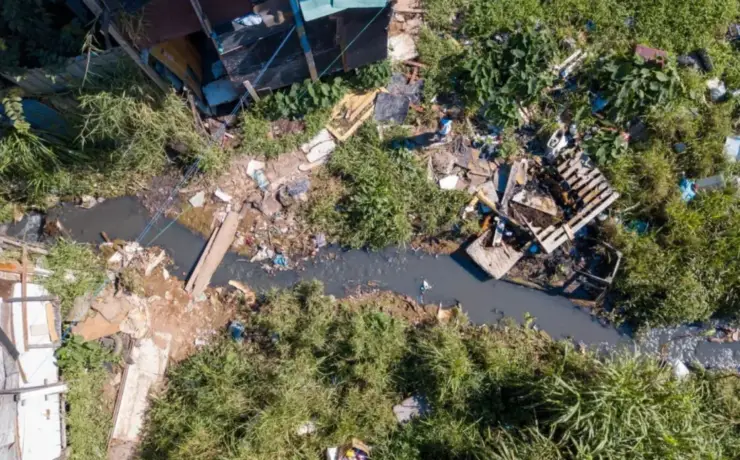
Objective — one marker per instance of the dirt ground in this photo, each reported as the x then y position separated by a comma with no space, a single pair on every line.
399,306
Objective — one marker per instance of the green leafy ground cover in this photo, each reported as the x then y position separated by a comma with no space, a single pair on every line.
497,392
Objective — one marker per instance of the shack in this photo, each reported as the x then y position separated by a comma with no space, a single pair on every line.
220,49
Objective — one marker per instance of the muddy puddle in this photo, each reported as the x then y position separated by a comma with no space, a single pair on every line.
454,279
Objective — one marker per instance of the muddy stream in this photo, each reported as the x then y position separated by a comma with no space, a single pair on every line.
453,278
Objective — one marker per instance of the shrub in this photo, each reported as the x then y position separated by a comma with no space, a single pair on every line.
387,194
501,391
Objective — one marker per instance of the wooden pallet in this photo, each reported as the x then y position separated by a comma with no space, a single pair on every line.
592,193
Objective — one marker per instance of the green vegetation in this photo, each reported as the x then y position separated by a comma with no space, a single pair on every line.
386,197
497,392
257,137
118,136
37,33
89,412
78,270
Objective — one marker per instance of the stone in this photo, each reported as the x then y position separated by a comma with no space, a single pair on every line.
269,205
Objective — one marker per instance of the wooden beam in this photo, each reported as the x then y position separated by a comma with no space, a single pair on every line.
251,90
24,295
298,17
97,10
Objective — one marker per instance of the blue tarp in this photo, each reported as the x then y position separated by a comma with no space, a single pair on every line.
42,117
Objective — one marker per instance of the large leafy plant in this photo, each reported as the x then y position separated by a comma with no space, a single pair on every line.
303,98
502,75
631,87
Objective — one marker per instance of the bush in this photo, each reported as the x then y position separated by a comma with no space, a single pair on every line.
501,391
387,194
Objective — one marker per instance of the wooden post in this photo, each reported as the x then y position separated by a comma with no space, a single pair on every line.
24,295
205,24
251,90
97,10
298,16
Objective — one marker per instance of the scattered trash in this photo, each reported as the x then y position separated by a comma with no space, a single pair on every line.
299,188
390,107
236,331
445,127
270,206
261,179
732,148
87,201
249,295
225,197
198,200
251,19
354,450
705,61
319,240
679,147
711,183
253,166
639,226
402,47
154,263
409,408
306,428
425,286
263,254
688,189
558,141
598,104
320,137
350,113
448,182
660,57
680,371
717,89
280,260
540,202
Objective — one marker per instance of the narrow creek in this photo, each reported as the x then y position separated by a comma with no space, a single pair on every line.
453,278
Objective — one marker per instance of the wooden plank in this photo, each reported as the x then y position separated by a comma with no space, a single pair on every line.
196,270
251,91
588,218
97,10
568,162
577,222
595,193
583,180
590,186
24,294
494,261
219,248
51,322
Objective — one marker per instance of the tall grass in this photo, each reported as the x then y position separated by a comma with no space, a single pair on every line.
500,391
387,197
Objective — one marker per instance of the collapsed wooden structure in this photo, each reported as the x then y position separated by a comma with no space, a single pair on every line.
586,190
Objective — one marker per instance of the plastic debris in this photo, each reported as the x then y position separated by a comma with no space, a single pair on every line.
711,183
221,195
306,428
236,331
680,371
688,189
732,148
261,179
280,260
425,286
717,89
448,182
254,166
598,104
263,254
299,187
558,141
249,20
679,147
198,200
88,201
415,406
445,127
319,240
